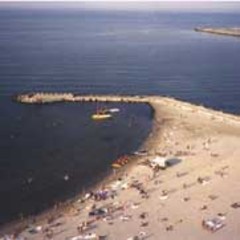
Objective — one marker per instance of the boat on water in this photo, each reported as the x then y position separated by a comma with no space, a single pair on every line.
113,110
104,113
101,116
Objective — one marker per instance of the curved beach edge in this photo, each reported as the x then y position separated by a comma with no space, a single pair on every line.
206,144
227,31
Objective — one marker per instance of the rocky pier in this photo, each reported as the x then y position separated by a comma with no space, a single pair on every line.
41,98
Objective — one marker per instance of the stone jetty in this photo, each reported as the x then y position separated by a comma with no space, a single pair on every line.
221,31
153,101
32,98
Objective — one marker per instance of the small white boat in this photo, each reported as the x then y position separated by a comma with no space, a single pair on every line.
113,110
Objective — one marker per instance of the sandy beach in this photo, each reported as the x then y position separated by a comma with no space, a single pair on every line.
151,203
235,32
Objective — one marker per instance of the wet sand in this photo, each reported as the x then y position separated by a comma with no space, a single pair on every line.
147,203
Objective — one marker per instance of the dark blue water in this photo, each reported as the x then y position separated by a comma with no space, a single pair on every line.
120,52
87,51
42,144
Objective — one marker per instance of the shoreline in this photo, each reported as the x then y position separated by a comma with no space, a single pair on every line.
180,130
234,32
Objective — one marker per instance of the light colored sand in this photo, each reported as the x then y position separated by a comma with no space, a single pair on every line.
221,31
210,145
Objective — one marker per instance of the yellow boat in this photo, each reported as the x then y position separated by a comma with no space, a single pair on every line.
116,165
101,116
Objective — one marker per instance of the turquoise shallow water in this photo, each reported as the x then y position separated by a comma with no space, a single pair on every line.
105,52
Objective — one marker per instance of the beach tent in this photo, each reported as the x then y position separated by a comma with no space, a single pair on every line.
163,162
159,162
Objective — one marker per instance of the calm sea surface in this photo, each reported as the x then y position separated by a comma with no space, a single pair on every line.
86,51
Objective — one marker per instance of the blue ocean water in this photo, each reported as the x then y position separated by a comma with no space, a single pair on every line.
104,52
155,52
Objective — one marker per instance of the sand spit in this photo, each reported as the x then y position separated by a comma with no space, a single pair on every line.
235,32
198,197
